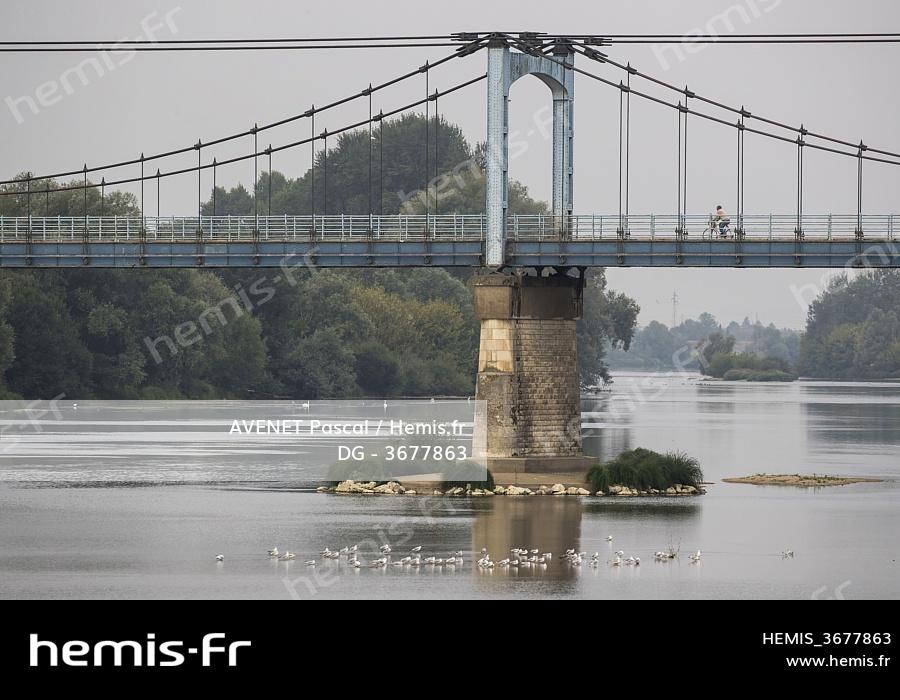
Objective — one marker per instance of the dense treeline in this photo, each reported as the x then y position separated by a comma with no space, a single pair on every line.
704,344
115,334
853,330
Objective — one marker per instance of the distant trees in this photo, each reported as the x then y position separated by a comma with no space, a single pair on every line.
703,344
853,330
609,321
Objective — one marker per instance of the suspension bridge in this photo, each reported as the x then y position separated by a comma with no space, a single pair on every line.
529,293
493,238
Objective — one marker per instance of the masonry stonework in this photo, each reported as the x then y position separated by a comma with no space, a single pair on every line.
528,371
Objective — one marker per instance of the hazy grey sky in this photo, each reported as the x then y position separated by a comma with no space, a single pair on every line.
155,102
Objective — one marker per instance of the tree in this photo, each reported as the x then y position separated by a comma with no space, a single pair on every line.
7,336
377,369
851,328
609,322
717,344
877,336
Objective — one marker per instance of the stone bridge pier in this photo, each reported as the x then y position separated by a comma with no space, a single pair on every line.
528,372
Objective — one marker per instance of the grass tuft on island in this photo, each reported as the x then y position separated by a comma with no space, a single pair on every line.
799,480
645,470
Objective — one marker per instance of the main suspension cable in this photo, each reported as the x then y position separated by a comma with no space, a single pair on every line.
718,120
586,51
237,159
467,50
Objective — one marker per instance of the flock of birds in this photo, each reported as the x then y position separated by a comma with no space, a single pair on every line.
519,558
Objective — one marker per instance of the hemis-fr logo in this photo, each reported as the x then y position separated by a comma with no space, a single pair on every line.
213,650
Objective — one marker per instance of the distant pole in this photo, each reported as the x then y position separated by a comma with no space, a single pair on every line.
674,309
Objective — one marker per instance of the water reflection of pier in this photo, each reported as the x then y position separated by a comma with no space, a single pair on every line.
547,523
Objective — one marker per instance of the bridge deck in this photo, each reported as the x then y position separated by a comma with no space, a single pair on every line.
447,241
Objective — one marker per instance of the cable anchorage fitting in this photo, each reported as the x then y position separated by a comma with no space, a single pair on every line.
594,55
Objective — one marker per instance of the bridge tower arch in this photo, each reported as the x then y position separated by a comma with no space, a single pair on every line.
505,67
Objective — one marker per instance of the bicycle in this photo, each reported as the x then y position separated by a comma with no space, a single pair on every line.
718,228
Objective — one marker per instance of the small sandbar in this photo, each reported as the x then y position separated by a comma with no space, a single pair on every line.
799,480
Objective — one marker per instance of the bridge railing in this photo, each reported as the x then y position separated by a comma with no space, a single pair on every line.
652,227
444,227
246,228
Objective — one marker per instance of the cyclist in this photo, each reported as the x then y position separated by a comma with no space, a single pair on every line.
722,221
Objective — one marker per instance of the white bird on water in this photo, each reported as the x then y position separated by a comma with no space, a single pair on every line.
416,550
787,554
311,562
273,552
609,538
695,558
221,557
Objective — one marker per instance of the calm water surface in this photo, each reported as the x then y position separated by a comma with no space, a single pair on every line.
90,533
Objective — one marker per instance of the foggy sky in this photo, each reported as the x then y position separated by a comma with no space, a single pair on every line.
156,102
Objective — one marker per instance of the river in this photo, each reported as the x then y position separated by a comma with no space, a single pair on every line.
90,534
